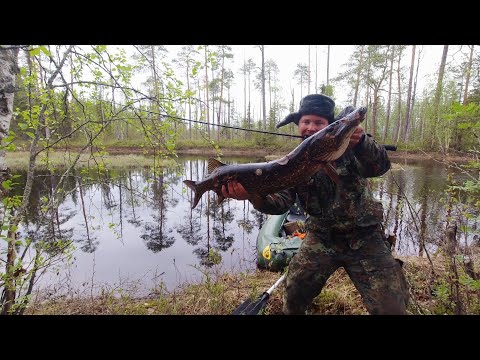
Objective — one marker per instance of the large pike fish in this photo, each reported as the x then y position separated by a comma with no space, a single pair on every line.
311,155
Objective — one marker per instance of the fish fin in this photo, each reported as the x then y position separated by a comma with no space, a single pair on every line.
283,160
213,164
331,172
190,184
193,186
220,198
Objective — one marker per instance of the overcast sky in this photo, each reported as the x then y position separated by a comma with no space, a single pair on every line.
288,56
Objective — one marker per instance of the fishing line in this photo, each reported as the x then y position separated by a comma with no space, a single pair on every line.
202,122
387,147
224,126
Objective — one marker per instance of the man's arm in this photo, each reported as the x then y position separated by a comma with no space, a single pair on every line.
372,157
277,203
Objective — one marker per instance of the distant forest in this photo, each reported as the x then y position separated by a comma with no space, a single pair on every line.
89,88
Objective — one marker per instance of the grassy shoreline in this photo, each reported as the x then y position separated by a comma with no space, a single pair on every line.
20,159
136,157
220,294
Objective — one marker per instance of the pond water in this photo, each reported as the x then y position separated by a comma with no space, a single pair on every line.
135,229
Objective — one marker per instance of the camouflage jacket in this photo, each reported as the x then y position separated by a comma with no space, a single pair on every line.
339,206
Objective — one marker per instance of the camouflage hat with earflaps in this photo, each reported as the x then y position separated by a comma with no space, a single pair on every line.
314,104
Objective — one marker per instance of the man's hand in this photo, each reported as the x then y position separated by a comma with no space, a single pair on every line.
356,137
235,190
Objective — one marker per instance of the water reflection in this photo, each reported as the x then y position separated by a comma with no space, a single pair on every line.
136,224
415,203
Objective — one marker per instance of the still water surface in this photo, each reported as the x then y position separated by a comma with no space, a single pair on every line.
136,230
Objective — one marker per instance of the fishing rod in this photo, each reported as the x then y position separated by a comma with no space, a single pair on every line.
224,126
387,147
209,124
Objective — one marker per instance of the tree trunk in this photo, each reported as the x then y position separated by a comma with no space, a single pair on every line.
206,90
308,87
467,80
374,112
367,96
8,71
396,130
414,92
451,250
264,113
189,101
438,94
213,94
409,94
359,71
328,64
221,94
10,287
244,89
316,69
385,130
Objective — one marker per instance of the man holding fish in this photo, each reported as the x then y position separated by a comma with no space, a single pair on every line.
344,222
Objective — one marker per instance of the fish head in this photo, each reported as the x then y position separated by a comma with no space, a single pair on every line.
331,142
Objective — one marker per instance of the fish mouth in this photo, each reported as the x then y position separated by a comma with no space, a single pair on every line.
345,128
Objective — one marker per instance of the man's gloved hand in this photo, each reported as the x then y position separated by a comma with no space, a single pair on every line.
359,133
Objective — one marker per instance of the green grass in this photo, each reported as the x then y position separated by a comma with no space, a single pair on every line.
57,159
221,293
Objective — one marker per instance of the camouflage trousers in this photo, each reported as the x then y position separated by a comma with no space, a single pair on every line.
365,255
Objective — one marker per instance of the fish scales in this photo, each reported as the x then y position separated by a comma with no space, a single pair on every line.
263,178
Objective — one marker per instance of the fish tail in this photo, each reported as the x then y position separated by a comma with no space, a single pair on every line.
197,191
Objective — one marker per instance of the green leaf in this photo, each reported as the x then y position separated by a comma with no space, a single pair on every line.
34,51
45,50
7,184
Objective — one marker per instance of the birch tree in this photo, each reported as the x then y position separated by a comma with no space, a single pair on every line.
438,94
8,72
378,57
397,127
45,109
409,94
389,106
186,60
412,112
264,110
468,71
301,75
